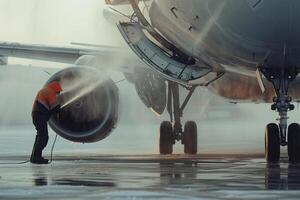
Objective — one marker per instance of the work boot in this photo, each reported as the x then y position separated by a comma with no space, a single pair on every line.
36,157
39,160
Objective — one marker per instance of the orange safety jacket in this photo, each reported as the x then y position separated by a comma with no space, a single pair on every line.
47,97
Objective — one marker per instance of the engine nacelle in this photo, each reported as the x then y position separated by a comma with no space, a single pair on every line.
89,105
151,88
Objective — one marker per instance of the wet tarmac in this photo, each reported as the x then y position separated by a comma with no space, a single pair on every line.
150,177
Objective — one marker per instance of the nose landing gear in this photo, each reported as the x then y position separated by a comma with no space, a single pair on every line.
275,135
171,131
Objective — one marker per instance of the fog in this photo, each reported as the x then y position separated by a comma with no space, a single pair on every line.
56,22
223,127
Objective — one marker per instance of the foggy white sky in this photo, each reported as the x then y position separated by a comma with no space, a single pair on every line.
56,22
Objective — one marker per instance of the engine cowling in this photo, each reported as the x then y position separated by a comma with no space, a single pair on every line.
151,88
89,105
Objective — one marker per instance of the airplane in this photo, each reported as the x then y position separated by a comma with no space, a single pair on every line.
243,51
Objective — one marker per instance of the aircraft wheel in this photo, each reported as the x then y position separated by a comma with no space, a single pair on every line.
272,143
166,138
294,143
190,139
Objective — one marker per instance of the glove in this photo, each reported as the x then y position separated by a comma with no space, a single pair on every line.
56,110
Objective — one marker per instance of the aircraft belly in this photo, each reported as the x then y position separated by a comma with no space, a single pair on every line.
235,33
242,88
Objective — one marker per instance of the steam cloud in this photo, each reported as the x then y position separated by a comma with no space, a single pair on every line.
60,22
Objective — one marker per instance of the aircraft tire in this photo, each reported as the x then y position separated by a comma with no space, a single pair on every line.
166,138
272,143
294,143
190,138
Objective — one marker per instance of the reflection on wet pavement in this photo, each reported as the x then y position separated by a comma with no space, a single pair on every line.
155,178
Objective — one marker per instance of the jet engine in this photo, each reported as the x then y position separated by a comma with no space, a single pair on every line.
89,105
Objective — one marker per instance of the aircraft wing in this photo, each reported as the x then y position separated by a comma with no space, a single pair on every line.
51,53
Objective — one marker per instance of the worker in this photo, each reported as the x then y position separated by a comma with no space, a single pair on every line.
45,105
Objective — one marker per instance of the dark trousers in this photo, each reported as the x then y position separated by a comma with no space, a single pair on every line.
41,139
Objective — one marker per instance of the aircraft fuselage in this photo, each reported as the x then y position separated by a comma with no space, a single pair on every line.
236,35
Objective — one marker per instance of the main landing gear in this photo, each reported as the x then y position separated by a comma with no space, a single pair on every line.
171,131
276,134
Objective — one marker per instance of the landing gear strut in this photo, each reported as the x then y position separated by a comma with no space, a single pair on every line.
276,135
172,131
